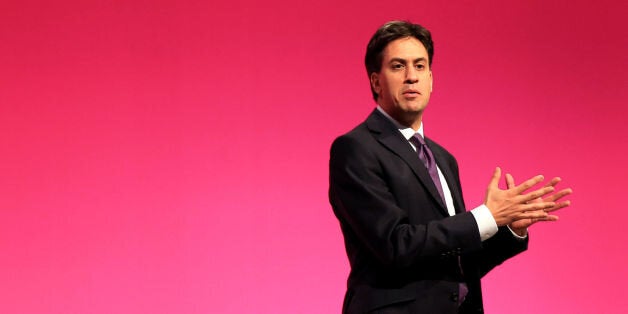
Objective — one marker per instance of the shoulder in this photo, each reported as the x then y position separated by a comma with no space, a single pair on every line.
353,142
360,136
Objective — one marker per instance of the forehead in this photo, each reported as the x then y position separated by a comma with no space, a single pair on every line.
407,48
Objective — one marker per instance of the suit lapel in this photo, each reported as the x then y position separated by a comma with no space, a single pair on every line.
388,135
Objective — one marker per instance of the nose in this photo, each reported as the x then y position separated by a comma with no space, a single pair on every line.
411,76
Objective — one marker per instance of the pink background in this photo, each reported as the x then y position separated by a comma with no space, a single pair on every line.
171,156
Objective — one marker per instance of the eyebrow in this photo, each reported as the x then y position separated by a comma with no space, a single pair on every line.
400,60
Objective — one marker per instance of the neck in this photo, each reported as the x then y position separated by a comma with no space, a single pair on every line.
415,124
407,119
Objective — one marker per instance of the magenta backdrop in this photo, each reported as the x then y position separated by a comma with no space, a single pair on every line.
171,156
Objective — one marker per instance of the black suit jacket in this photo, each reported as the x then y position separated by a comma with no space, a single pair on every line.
403,246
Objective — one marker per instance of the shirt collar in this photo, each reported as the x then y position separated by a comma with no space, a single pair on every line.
405,131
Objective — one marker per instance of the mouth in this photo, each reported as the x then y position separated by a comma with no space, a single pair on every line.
411,93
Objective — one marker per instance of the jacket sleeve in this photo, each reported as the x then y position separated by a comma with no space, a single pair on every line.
497,250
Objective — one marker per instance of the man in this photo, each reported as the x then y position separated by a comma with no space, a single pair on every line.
412,246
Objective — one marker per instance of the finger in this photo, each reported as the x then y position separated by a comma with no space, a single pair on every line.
551,218
534,215
539,206
547,218
558,206
495,179
510,181
528,184
534,194
560,194
554,181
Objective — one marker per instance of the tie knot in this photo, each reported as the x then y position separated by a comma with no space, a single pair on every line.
419,138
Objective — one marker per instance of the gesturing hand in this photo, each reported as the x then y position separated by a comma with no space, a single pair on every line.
511,205
520,226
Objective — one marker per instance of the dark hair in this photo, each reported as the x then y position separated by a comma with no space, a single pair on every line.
389,32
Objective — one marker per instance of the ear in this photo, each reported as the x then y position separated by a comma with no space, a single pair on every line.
375,83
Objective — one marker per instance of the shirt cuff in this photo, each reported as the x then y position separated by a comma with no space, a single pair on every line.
486,222
518,236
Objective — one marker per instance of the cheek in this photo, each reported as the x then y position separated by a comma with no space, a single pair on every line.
393,87
427,84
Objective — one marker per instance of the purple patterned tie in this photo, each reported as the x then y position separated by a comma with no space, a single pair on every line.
426,156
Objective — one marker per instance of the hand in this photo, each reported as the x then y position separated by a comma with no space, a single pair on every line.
521,226
510,205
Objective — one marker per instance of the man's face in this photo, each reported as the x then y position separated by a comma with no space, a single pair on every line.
404,83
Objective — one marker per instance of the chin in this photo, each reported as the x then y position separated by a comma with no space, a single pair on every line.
414,109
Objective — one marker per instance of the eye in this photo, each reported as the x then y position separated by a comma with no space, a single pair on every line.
397,66
420,66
